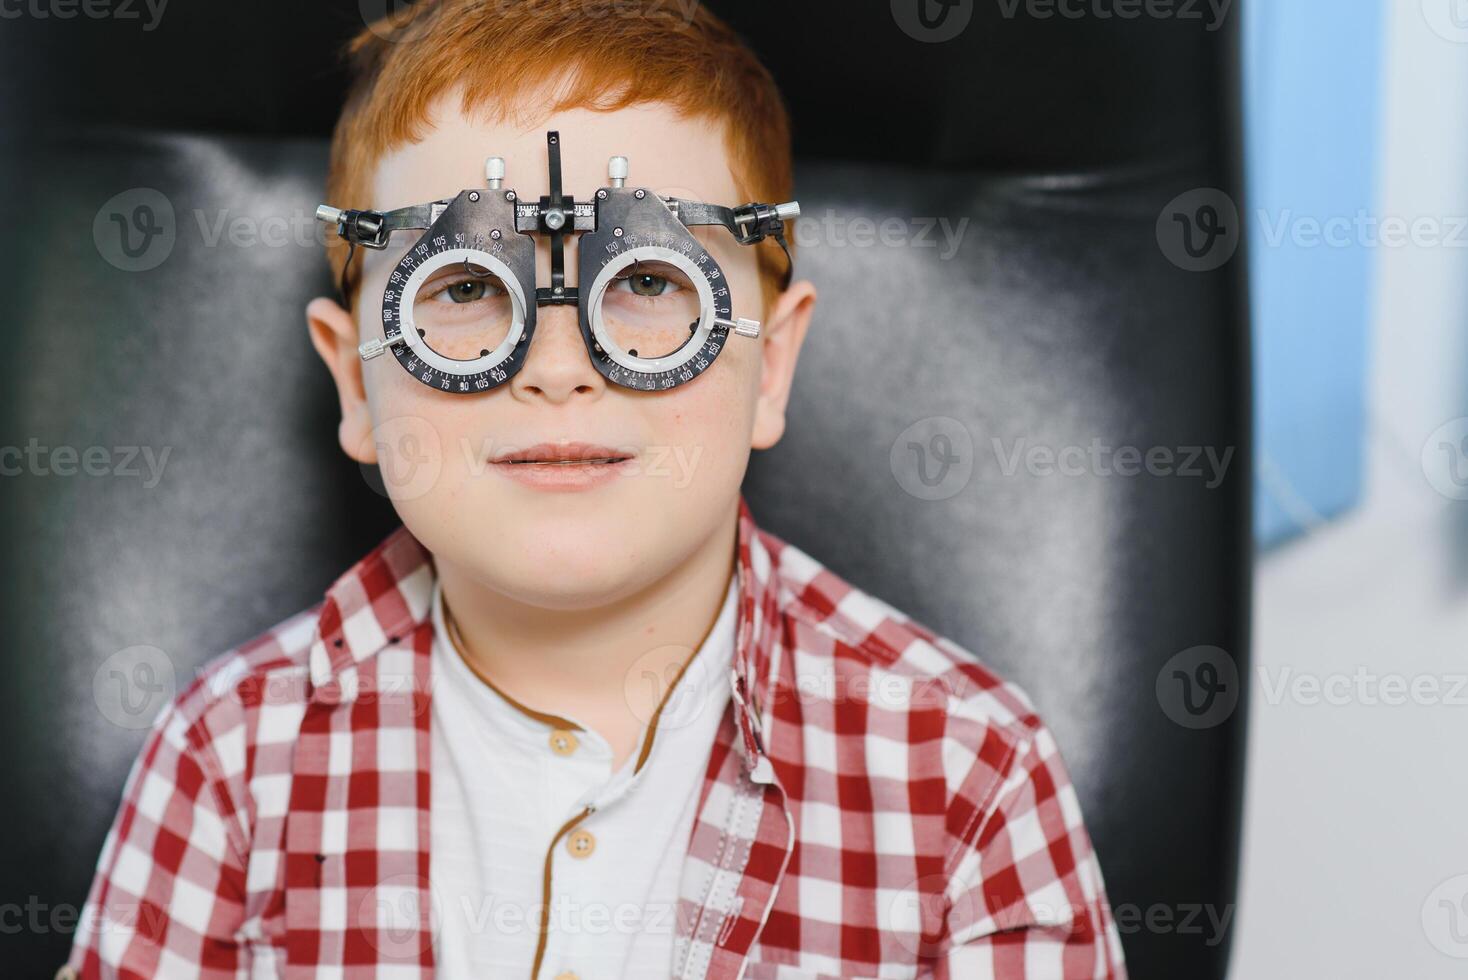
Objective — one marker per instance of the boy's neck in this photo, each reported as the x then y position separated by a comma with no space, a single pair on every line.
577,662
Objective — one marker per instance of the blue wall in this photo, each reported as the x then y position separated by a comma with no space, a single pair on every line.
1313,78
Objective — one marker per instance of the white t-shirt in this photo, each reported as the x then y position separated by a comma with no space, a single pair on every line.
504,783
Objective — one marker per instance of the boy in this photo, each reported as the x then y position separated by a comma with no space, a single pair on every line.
581,718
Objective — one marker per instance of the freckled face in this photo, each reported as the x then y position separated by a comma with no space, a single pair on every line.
554,537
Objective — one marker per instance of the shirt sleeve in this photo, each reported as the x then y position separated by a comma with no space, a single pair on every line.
1025,897
168,894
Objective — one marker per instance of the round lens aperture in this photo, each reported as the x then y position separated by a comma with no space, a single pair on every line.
463,311
651,309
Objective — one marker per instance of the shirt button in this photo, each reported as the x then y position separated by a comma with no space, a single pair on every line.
563,742
568,975
65,973
581,843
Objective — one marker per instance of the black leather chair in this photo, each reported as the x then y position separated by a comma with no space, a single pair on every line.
1058,320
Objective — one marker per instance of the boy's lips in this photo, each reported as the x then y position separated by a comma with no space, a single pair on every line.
563,466
563,454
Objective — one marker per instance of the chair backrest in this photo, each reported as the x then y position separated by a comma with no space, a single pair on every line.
1000,426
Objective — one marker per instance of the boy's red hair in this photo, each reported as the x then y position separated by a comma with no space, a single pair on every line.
612,54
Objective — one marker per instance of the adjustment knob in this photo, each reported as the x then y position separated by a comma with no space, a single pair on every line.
494,171
740,326
617,170
376,348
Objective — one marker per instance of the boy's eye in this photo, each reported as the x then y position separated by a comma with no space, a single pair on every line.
651,283
463,291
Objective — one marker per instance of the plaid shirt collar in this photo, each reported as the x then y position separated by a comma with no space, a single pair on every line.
386,596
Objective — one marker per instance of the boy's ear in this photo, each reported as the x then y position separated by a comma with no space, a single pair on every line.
334,335
783,335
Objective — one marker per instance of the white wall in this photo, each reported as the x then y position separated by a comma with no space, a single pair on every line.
1357,812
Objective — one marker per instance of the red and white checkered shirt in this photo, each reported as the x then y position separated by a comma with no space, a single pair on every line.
877,803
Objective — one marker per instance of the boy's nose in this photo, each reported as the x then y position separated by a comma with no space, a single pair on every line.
557,366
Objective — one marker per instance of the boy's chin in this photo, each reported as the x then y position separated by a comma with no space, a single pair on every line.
567,559
556,580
